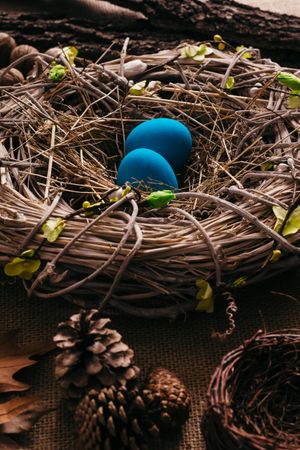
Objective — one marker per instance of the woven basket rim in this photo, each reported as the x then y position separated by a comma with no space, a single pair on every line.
231,423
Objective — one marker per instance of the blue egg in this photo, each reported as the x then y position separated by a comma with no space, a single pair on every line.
169,137
148,170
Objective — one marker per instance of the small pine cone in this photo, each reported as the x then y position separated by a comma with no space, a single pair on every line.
167,399
92,355
113,418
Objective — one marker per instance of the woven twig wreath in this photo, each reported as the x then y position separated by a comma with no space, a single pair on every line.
61,144
254,396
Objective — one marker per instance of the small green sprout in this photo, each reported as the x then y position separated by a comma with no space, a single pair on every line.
196,52
57,72
138,88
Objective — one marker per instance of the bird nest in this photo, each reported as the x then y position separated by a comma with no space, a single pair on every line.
62,142
254,395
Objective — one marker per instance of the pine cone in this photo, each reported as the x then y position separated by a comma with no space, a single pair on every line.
167,399
114,418
92,355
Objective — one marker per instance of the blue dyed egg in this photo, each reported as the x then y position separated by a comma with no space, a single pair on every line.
148,170
169,137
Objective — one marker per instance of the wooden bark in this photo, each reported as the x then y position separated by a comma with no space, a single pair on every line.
167,23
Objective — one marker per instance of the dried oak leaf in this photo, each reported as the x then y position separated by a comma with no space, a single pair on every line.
14,358
17,414
20,414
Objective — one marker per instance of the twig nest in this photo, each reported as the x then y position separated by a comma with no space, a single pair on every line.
20,52
7,44
254,396
11,77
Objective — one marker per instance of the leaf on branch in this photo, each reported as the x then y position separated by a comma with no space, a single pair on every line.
159,199
230,83
292,224
23,267
293,101
289,80
196,52
53,228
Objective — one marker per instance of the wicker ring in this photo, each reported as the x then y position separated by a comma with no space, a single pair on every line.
61,144
254,396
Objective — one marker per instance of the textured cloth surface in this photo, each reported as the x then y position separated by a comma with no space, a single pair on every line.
184,346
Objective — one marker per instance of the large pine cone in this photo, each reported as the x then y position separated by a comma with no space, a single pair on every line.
92,355
114,418
168,402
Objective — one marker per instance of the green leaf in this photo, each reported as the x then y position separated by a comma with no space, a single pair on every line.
204,49
28,253
204,296
280,214
14,268
230,83
159,199
70,53
21,267
246,55
199,58
189,51
239,281
198,53
293,101
289,80
221,46
57,72
138,88
53,228
292,225
266,166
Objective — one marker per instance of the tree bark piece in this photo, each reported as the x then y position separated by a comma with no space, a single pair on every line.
167,23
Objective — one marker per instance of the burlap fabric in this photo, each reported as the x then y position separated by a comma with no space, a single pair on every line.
184,346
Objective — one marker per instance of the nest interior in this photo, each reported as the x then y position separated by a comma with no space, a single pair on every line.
61,143
253,398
